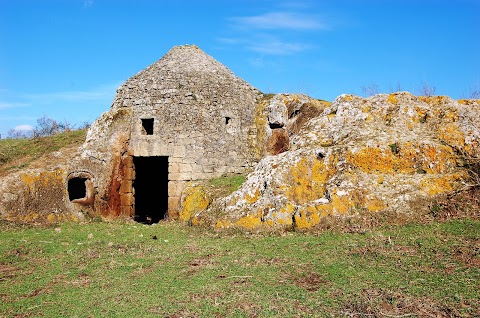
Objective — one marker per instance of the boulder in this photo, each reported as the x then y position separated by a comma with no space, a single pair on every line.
358,156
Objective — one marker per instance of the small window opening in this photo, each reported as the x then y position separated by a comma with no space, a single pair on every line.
320,155
147,124
227,120
275,125
77,188
294,113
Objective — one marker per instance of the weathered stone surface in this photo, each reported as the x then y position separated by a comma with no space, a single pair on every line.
311,159
359,156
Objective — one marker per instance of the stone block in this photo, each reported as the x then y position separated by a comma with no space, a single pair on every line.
175,159
126,211
221,170
126,187
186,168
126,199
129,174
173,207
175,188
174,167
128,162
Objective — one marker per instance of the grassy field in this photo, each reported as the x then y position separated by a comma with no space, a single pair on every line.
19,153
171,270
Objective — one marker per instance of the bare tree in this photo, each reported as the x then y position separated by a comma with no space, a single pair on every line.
46,127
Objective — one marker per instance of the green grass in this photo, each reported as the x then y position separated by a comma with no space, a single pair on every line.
229,183
14,149
172,270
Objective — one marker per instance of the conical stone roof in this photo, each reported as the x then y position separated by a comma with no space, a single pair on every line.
185,72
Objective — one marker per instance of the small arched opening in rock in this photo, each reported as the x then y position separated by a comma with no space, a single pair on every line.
147,125
227,120
275,125
77,188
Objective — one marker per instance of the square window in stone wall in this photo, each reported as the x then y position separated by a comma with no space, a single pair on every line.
147,126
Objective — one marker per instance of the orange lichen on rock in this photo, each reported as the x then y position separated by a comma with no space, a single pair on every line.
372,160
43,179
442,184
306,218
252,198
451,134
249,222
308,178
392,99
223,224
195,201
408,157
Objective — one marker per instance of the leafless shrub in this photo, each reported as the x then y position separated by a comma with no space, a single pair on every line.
473,93
19,134
396,88
427,89
370,89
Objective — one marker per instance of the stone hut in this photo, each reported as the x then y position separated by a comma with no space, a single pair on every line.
186,117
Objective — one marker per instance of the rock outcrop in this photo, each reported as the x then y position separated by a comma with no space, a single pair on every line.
359,156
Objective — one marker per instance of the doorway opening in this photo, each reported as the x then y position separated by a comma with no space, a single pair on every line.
151,189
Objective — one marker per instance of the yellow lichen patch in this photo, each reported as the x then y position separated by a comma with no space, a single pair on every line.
306,218
451,134
252,198
434,100
45,179
469,102
342,204
223,224
438,159
392,99
408,157
195,221
373,204
421,115
260,125
195,201
249,222
442,184
51,218
308,179
372,160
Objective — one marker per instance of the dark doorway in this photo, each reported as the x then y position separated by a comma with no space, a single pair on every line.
77,188
151,189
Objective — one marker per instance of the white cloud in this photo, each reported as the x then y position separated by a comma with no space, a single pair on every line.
23,128
281,20
5,105
277,47
88,3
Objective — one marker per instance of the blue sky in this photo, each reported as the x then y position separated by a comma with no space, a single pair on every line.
65,59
